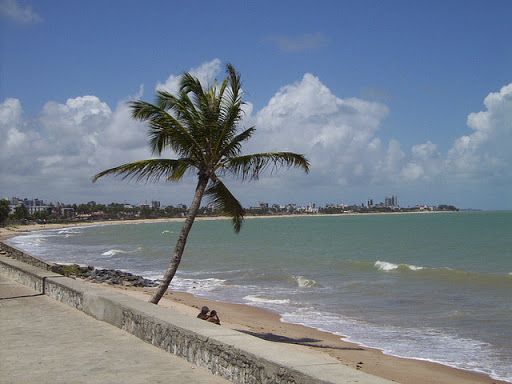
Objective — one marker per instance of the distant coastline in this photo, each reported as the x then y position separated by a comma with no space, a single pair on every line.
13,230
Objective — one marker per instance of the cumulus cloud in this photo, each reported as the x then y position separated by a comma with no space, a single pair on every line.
341,138
14,136
337,135
62,147
19,14
66,144
485,153
206,73
425,162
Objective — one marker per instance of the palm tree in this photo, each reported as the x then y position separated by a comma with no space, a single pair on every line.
201,126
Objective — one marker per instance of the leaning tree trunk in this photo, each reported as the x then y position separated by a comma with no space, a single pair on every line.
182,241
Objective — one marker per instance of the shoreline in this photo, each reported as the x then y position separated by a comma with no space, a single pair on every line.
19,230
269,326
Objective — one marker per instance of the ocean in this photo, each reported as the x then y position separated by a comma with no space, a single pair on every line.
434,287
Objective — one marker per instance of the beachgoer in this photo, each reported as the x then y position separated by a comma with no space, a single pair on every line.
204,313
213,318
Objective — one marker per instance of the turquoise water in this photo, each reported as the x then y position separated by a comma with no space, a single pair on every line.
435,287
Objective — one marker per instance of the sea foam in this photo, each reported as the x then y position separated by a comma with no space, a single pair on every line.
304,282
114,252
196,286
265,300
387,266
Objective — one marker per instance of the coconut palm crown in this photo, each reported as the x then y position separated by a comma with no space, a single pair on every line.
201,126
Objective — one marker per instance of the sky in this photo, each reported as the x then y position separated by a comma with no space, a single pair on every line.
384,98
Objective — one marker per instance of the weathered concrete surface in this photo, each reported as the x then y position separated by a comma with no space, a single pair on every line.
27,258
44,341
233,355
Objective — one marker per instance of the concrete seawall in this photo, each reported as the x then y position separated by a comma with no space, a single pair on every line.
236,356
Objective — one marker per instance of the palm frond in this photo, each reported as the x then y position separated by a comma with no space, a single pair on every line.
166,101
142,110
150,170
250,166
191,85
222,199
235,82
165,130
230,107
234,146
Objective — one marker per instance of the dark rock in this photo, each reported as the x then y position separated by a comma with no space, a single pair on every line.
109,276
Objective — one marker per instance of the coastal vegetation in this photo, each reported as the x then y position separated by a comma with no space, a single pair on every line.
201,126
92,211
4,211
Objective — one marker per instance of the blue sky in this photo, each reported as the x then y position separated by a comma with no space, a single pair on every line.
396,97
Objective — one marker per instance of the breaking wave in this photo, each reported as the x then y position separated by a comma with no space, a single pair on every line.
196,286
115,252
304,282
387,267
265,300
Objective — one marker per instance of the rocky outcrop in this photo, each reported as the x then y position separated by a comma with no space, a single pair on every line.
108,276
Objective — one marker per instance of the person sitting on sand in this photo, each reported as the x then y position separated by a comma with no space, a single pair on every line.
204,313
213,318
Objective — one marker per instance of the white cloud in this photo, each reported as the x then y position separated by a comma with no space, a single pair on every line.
337,135
206,74
485,153
340,137
16,138
66,144
74,128
60,149
17,13
425,163
10,112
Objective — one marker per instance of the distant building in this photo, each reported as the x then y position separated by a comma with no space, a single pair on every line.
311,208
67,212
391,202
31,205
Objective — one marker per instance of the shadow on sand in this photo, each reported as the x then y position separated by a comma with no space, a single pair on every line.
299,341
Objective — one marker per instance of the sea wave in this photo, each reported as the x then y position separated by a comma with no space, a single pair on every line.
196,286
115,252
445,273
265,300
428,344
69,232
304,282
387,266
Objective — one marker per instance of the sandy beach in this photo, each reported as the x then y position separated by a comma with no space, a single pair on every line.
269,326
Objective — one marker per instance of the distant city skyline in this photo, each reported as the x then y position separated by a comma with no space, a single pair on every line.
395,97
388,202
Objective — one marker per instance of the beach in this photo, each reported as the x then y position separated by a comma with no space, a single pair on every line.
267,325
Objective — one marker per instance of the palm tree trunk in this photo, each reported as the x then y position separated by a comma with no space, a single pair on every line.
182,241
